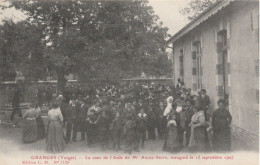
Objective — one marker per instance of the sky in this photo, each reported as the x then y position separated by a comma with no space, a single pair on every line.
167,10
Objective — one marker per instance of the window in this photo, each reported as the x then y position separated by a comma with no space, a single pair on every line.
223,37
198,67
181,63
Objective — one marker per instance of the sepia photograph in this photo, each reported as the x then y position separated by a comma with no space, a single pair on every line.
129,82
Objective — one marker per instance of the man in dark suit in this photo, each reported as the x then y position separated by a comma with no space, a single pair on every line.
180,84
16,103
221,121
151,119
71,119
76,118
204,101
139,105
83,110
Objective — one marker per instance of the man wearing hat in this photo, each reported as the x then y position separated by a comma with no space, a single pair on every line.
180,83
95,108
83,110
71,116
15,103
139,105
128,111
76,118
204,101
103,124
63,108
151,119
91,127
221,121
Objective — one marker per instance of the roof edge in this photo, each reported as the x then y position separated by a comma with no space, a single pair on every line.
198,20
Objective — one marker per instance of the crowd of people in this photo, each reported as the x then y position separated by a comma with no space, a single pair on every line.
123,117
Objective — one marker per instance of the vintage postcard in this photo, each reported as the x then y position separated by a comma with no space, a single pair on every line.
129,82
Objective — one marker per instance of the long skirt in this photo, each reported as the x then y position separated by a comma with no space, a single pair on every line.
104,136
116,138
40,127
221,140
172,143
199,141
29,131
130,140
55,141
161,126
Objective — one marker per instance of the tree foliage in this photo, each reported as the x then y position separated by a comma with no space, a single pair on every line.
195,8
99,40
21,50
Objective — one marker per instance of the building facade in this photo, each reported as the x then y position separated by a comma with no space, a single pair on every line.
219,51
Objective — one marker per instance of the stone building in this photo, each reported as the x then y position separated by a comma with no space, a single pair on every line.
219,51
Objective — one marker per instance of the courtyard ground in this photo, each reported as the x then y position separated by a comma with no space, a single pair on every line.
11,140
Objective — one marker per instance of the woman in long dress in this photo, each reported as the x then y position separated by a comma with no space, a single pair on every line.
199,141
40,124
171,143
55,142
30,126
129,134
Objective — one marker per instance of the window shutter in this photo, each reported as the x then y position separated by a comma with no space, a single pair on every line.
220,90
181,59
219,47
201,72
219,69
193,55
181,72
194,71
194,86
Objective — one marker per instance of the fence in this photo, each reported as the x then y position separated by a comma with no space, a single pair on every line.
168,81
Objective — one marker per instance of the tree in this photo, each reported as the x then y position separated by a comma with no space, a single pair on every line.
134,34
98,40
196,7
59,20
21,50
